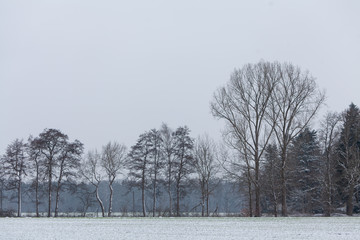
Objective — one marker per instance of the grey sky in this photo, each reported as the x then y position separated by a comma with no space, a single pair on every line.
110,70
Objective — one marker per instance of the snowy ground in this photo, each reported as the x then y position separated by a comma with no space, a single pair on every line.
180,228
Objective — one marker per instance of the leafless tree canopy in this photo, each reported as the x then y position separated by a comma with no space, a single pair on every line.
261,101
91,171
113,159
207,166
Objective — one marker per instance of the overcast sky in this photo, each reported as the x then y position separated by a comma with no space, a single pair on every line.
110,70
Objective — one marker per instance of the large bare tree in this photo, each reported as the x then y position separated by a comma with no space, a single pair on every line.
113,160
296,100
61,158
244,104
52,143
91,170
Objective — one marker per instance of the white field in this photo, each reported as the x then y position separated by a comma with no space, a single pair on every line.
180,228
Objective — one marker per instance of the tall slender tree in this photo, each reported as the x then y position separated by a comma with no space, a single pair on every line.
15,164
90,169
113,161
329,137
68,166
206,167
156,164
138,165
349,161
168,152
183,161
36,161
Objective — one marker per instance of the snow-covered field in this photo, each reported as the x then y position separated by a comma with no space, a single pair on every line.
180,228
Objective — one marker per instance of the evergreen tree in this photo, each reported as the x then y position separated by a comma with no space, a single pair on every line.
183,162
348,167
306,166
138,165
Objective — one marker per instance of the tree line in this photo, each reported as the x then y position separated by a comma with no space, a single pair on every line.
164,157
269,150
268,108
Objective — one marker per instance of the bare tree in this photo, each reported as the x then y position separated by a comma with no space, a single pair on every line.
37,168
207,167
113,160
244,104
68,165
90,169
15,165
156,163
183,161
52,143
138,164
295,102
168,149
329,134
85,194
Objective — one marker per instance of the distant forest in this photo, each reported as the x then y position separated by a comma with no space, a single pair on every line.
272,161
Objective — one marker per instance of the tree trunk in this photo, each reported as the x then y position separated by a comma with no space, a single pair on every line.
57,201
143,193
274,196
110,199
143,201
257,187
37,203
178,199
58,190
202,203
283,183
207,198
99,201
19,199
202,189
275,208
170,200
49,189
133,203
154,197
349,201
328,189
169,188
250,198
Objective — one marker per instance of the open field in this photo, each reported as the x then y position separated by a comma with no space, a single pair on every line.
180,228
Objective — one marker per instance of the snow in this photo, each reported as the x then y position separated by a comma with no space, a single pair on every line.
180,228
